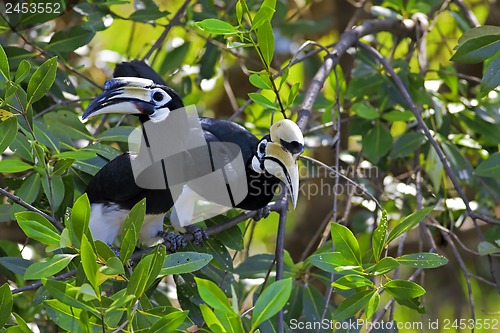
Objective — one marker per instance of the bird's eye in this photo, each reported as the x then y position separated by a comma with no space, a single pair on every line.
158,96
261,149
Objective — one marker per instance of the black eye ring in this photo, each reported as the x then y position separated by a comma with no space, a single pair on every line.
158,96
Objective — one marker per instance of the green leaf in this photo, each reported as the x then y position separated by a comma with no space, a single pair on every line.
372,305
44,269
5,303
407,144
70,39
260,81
365,110
113,267
379,236
294,90
184,262
377,142
262,101
485,248
263,15
89,263
352,281
215,26
489,167
328,261
272,299
22,71
75,154
211,294
42,80
346,243
147,15
384,266
40,232
146,272
422,260
67,294
4,64
12,166
265,39
403,289
478,44
54,192
169,323
491,78
8,128
61,166
79,220
211,319
66,317
30,188
239,11
408,223
15,264
131,229
118,134
353,304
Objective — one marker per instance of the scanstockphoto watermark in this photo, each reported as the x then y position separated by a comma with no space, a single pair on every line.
354,325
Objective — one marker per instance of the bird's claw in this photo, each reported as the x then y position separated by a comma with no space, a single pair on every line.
199,234
176,241
262,213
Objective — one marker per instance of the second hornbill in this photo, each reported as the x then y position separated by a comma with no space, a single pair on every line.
138,90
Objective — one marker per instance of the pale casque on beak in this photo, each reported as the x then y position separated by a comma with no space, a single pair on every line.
282,155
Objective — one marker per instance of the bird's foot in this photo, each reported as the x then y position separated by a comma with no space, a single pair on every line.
199,234
262,213
176,241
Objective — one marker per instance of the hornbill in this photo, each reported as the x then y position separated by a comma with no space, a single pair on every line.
138,90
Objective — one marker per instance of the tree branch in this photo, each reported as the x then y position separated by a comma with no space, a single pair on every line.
348,39
173,22
29,207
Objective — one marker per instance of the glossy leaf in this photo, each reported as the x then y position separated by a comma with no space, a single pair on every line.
422,260
211,319
328,261
8,128
215,26
4,64
352,281
146,272
352,304
48,268
213,295
42,80
5,303
265,39
169,323
384,266
15,264
365,110
379,236
263,15
491,78
408,223
346,243
30,188
262,101
12,166
39,232
70,39
260,81
270,301
23,71
131,229
89,262
404,289
184,262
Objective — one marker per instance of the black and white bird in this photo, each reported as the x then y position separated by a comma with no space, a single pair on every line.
138,90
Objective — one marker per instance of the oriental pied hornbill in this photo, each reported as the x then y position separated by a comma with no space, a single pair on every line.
138,90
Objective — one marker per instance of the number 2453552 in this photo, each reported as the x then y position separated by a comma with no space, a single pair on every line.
33,8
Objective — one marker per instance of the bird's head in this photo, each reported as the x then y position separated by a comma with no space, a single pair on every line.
278,154
131,95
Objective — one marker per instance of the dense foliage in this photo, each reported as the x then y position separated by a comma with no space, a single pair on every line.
400,178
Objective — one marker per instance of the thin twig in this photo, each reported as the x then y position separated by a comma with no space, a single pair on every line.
38,284
29,207
280,250
173,22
